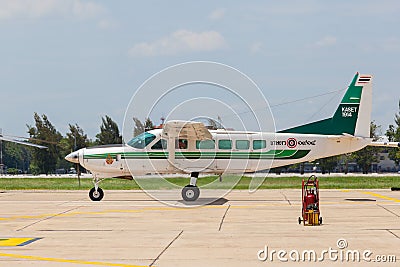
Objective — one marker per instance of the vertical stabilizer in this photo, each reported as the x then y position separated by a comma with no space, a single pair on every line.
353,115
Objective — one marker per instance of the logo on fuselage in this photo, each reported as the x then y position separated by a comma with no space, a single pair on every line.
293,143
109,159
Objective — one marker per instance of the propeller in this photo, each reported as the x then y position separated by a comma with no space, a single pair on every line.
78,171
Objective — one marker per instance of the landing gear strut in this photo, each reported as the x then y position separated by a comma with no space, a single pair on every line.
191,192
96,193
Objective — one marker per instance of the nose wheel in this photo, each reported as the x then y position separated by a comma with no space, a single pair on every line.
190,193
96,195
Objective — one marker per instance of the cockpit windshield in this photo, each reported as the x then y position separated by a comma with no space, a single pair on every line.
142,140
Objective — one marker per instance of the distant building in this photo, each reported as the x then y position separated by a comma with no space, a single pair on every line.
385,164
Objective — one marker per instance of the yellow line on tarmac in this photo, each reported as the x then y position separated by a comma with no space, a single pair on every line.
382,196
37,258
140,210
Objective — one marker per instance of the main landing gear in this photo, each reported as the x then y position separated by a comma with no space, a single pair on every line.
191,192
96,193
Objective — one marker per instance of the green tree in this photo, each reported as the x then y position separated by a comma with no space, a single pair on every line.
44,160
148,125
109,132
328,164
368,155
139,127
16,156
393,135
76,137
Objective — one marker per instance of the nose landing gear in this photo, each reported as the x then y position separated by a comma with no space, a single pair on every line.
191,192
96,193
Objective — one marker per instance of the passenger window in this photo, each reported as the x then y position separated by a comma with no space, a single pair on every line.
205,144
225,144
259,144
242,144
181,144
161,144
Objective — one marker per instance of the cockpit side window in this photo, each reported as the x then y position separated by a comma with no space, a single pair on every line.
142,140
161,144
181,144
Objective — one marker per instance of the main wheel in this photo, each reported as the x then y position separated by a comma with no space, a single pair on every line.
96,195
190,193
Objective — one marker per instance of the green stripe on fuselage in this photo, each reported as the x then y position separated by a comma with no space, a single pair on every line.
271,154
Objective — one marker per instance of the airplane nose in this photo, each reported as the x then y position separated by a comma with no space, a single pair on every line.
73,157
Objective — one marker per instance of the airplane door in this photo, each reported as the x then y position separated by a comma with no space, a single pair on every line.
195,155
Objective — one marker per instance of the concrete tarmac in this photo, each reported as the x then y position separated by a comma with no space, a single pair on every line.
129,228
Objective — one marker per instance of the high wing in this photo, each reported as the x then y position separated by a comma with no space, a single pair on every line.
21,142
186,130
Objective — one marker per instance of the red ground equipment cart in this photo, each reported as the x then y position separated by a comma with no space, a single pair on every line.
310,202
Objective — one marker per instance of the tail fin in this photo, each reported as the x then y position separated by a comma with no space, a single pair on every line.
353,115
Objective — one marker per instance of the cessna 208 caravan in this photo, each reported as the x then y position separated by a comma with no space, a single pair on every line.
189,147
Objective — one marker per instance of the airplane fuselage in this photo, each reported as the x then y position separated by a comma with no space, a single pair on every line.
228,152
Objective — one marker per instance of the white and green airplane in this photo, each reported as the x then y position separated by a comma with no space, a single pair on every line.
189,147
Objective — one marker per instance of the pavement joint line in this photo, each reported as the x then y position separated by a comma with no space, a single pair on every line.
70,201
165,249
50,215
288,201
60,260
47,218
382,196
393,233
223,218
395,214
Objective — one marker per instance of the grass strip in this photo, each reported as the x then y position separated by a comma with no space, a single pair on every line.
331,182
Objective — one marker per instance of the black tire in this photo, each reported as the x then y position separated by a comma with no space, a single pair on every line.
299,220
190,193
96,196
320,220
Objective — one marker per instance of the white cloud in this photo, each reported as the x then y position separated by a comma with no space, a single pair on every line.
256,47
326,41
391,45
217,14
86,9
180,41
47,8
107,24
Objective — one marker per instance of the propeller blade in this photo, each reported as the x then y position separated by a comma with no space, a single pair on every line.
79,174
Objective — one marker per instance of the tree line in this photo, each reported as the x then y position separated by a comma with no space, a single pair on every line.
43,132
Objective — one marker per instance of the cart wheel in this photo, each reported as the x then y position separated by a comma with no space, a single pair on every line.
320,220
299,220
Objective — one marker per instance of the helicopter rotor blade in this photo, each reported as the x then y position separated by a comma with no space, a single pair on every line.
21,142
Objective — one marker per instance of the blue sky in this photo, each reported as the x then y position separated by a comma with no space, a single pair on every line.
76,60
